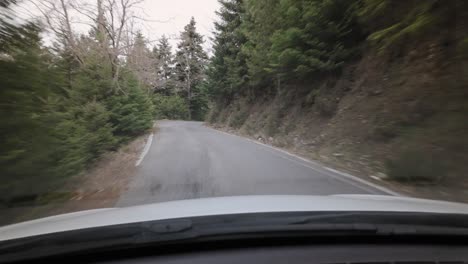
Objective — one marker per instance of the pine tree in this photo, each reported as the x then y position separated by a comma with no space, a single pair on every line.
190,64
164,68
227,73
141,61
58,112
26,83
261,20
131,113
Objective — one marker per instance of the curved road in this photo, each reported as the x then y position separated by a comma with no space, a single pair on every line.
188,160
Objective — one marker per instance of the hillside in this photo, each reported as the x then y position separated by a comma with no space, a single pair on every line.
393,110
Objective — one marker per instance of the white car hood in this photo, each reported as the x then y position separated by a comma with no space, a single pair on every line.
226,205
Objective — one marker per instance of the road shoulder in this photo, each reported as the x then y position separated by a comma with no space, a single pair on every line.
315,165
98,187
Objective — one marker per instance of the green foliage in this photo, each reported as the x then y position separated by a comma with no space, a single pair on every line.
199,104
95,118
164,56
57,114
170,107
399,21
190,62
25,79
92,82
262,47
262,44
227,70
306,37
132,112
70,153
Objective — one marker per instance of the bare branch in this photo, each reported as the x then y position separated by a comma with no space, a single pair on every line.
58,21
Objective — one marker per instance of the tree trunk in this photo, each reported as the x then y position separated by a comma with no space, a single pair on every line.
189,89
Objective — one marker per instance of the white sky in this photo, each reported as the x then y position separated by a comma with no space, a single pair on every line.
177,13
166,17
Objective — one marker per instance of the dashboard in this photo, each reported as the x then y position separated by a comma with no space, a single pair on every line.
325,254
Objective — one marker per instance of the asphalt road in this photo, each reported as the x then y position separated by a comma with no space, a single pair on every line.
188,160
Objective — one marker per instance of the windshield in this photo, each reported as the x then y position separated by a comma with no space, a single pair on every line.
110,104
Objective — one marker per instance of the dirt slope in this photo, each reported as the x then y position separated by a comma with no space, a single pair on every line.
400,120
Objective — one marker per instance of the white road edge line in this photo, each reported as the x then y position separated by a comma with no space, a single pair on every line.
310,162
145,150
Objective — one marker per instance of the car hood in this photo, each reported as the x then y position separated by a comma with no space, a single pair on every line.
225,206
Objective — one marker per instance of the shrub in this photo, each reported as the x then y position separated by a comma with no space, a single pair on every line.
212,116
238,119
214,113
273,122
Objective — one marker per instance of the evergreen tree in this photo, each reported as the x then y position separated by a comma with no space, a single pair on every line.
165,60
190,65
58,112
131,113
261,20
312,37
227,69
26,83
259,44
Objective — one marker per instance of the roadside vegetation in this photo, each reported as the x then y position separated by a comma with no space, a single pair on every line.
66,104
377,87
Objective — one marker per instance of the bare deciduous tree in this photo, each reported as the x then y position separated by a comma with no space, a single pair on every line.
57,17
112,21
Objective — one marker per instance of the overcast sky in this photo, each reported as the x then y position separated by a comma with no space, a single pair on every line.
177,13
161,17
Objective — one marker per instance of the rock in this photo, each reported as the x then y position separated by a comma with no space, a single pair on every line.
338,154
375,177
376,92
270,139
324,158
381,175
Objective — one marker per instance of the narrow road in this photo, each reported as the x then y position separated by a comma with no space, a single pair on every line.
188,160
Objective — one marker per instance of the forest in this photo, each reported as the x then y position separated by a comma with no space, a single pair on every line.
318,76
64,105
264,45
374,87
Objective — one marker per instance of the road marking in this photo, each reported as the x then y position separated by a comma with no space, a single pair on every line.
348,178
145,150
